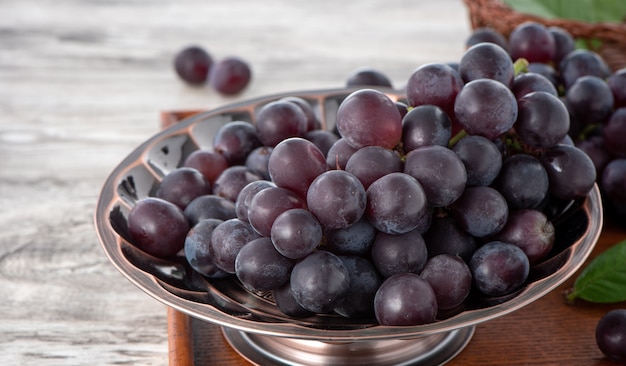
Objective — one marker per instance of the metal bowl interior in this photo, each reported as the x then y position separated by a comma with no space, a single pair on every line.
226,303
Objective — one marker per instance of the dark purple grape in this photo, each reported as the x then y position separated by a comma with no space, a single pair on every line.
532,41
570,171
425,125
590,99
481,157
286,302
267,204
338,154
450,278
564,43
258,160
582,62
197,249
487,61
235,140
209,206
296,233
392,254
355,239
312,122
358,302
445,236
227,240
368,117
531,231
182,185
434,84
617,83
529,82
403,108
230,75
486,34
440,172
611,335
373,162
260,267
405,299
295,163
523,181
157,227
396,204
614,133
546,70
246,195
614,181
232,180
595,148
323,139
337,198
366,76
499,268
193,64
280,120
542,120
481,211
210,163
320,281
486,107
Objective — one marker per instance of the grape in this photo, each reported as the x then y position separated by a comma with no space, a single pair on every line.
434,84
373,162
197,249
481,157
405,299
258,161
280,120
337,198
312,123
323,139
230,75
260,267
486,107
582,62
542,120
403,108
366,76
499,268
320,281
338,154
611,335
247,193
533,42
531,231
392,254
227,240
295,163
209,206
425,125
617,83
210,163
235,140
368,117
450,279
193,64
590,99
564,43
286,302
296,233
182,185
157,227
267,204
486,61
571,172
481,211
445,236
355,239
531,81
440,172
232,180
595,148
546,70
614,181
358,301
486,34
614,133
523,181
396,204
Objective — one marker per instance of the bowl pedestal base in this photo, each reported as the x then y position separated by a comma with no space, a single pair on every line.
435,349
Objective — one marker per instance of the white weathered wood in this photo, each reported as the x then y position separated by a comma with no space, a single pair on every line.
82,83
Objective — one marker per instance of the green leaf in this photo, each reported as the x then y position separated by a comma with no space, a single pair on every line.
591,11
604,278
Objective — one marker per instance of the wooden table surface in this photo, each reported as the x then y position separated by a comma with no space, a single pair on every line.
83,82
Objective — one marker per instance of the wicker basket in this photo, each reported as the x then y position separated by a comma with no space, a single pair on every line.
497,15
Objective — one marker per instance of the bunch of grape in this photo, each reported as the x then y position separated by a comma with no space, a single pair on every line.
397,215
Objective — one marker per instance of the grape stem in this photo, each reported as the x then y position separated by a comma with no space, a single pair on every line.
520,66
457,137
